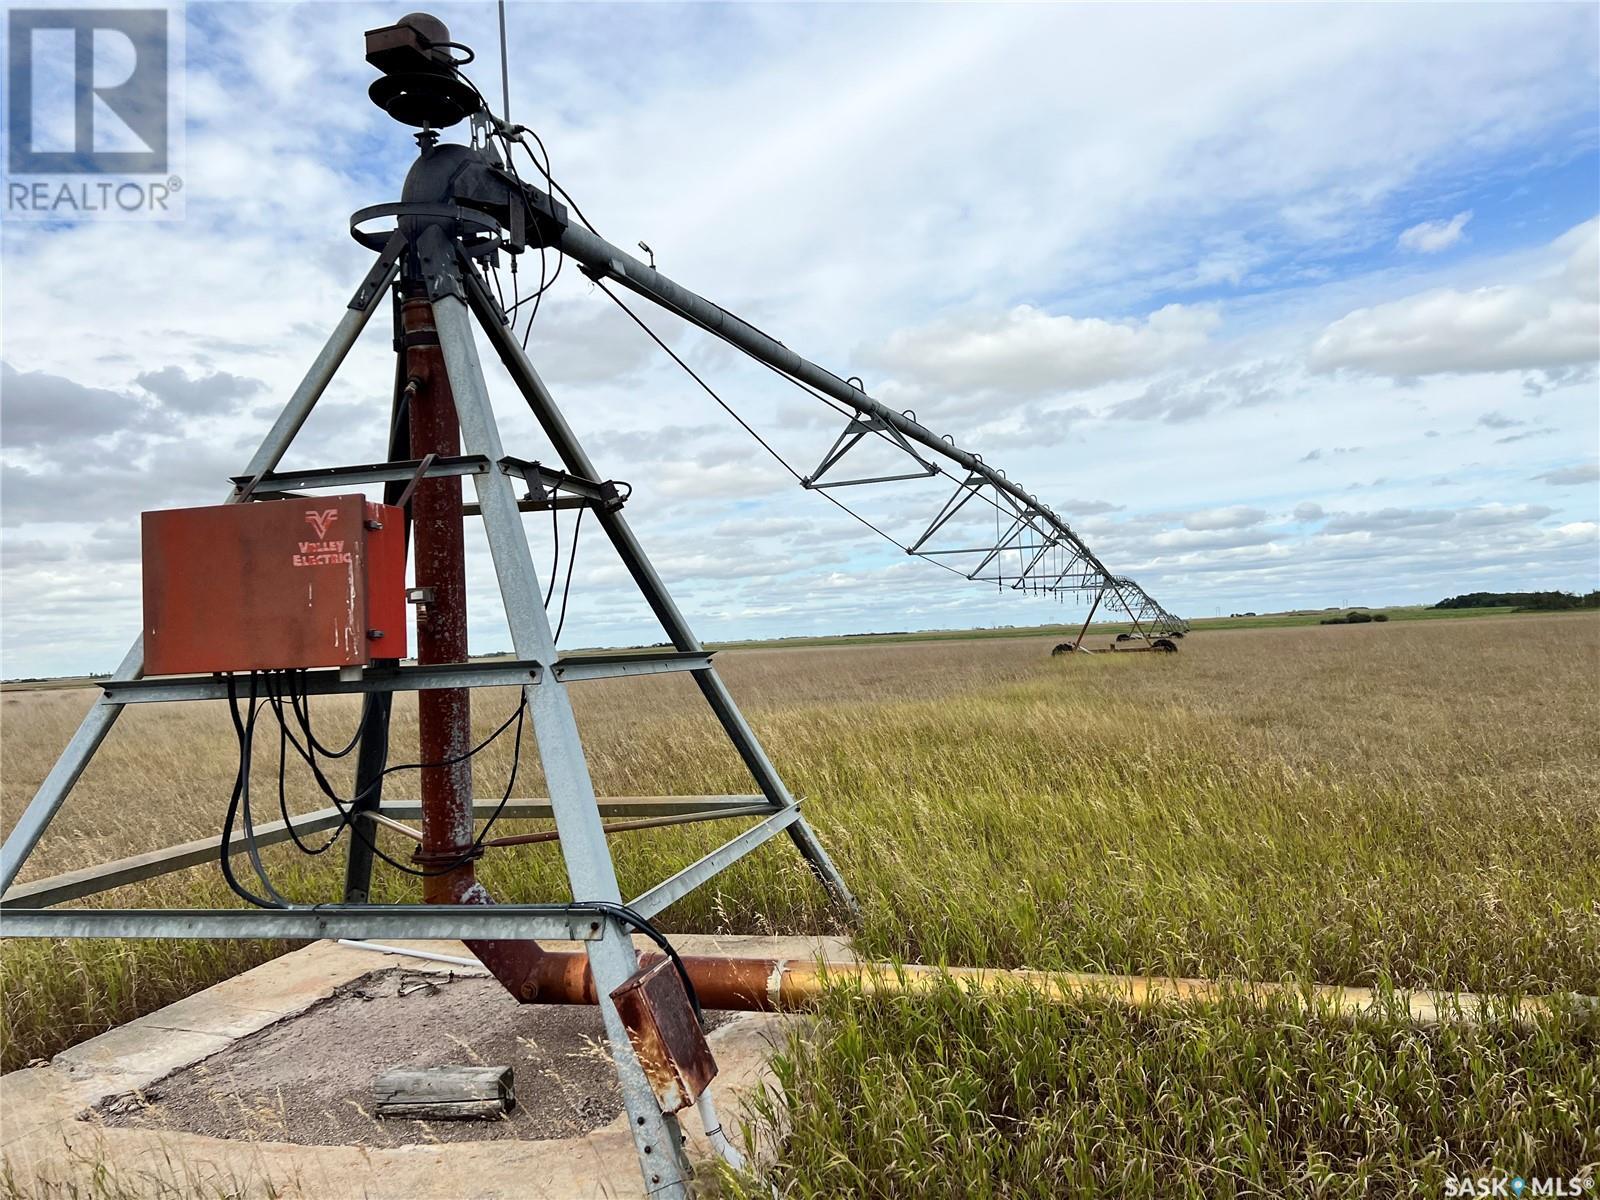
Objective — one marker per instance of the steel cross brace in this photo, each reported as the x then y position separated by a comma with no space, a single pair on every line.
590,871
542,673
857,427
492,319
102,715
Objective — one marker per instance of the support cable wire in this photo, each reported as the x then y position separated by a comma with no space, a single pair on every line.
747,427
844,411
849,414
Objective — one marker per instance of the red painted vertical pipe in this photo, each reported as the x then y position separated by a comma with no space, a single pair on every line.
444,715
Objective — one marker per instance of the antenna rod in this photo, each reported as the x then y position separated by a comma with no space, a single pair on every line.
505,72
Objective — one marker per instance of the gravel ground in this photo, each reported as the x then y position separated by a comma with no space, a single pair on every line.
308,1079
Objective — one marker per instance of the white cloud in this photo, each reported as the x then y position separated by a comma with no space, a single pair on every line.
1427,522
1498,420
1236,516
1571,476
1014,162
1430,237
1027,353
1547,323
1186,396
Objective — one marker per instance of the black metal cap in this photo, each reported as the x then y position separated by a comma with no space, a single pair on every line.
421,85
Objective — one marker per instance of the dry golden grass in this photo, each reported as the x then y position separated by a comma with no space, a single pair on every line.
1504,705
1412,801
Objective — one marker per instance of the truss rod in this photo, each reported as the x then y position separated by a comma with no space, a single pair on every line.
601,259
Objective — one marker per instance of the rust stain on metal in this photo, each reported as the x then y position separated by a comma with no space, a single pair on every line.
444,715
273,584
665,1034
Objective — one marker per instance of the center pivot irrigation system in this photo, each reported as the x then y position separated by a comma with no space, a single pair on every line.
279,595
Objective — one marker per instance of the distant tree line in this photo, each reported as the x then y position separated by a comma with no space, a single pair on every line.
1524,601
1355,617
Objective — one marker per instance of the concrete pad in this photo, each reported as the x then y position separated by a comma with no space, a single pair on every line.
133,1055
44,1138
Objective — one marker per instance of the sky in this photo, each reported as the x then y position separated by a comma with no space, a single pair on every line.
1280,307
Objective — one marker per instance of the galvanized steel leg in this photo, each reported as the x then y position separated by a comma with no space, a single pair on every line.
1092,609
583,843
103,715
576,460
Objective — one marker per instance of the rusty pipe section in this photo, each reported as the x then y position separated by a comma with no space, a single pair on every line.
789,985
444,715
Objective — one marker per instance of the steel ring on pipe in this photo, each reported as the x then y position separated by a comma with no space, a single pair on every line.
480,233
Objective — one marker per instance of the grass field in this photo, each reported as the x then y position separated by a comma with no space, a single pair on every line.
1409,804
1277,620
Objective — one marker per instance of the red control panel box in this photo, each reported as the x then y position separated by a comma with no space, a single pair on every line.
274,584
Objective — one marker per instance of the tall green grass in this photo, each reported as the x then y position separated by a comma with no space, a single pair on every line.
1407,805
944,1095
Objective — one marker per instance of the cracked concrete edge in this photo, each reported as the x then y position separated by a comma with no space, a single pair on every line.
198,1026
41,1136
600,1163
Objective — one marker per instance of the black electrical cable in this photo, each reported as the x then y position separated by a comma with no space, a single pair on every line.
252,844
302,708
244,731
562,192
566,588
303,715
547,279
555,553
544,286
350,815
239,802
283,797
458,63
554,186
621,912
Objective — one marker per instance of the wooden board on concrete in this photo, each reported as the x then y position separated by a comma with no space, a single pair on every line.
444,1093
